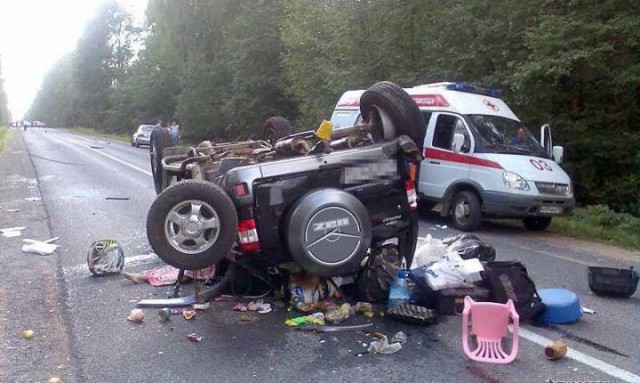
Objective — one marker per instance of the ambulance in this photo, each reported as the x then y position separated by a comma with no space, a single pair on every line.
480,160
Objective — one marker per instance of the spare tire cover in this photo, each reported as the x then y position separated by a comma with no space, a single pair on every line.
328,232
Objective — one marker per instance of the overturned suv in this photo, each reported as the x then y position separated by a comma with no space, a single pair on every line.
320,202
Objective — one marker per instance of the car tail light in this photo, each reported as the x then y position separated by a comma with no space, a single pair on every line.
412,197
248,235
241,190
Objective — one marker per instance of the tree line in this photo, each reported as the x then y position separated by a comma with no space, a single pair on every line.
222,67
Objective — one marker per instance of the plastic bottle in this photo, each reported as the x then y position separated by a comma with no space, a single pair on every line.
399,291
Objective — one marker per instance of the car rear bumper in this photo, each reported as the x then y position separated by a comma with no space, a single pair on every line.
521,206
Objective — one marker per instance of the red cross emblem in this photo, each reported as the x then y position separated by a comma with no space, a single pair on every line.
491,105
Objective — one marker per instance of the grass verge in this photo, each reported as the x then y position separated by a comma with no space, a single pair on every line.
94,133
5,134
597,223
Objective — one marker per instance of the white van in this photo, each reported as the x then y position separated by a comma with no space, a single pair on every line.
480,159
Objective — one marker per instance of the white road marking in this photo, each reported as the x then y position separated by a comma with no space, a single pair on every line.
143,171
583,358
82,270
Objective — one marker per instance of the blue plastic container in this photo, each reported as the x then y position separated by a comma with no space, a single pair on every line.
562,306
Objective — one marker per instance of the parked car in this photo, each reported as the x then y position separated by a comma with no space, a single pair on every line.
479,159
319,200
142,136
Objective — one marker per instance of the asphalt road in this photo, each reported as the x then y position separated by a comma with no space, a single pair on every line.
94,189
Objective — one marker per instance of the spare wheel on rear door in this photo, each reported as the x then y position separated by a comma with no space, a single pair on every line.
328,232
392,112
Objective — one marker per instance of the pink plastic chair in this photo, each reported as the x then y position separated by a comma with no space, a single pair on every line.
489,323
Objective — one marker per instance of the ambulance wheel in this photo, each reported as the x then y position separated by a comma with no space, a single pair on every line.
276,128
192,224
537,223
466,211
391,112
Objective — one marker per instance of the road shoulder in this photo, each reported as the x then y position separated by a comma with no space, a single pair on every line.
31,292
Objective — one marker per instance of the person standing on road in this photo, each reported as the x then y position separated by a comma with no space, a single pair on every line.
175,131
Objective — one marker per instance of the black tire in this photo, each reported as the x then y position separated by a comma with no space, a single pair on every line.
537,223
328,232
183,251
275,128
403,112
466,211
160,140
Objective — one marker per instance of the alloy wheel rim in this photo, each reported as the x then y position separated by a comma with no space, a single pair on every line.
192,226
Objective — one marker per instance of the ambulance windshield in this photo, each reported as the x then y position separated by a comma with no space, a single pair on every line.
342,118
503,135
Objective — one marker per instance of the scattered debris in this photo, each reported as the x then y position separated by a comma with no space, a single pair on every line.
316,319
28,334
413,314
40,247
13,210
117,198
245,318
265,308
188,314
587,310
382,346
11,232
33,199
363,307
201,306
167,275
555,350
240,307
55,380
164,314
430,250
308,291
136,316
338,315
105,257
399,337
194,337
135,278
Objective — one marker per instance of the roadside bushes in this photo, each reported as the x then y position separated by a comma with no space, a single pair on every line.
600,222
4,136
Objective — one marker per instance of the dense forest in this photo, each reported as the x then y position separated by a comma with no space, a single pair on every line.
222,67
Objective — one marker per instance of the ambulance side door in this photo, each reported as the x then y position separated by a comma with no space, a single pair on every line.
442,165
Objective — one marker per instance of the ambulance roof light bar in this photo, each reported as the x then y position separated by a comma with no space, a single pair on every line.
462,87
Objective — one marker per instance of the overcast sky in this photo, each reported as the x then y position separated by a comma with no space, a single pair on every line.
34,34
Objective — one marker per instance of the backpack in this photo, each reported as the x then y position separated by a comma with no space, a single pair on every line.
510,280
377,275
